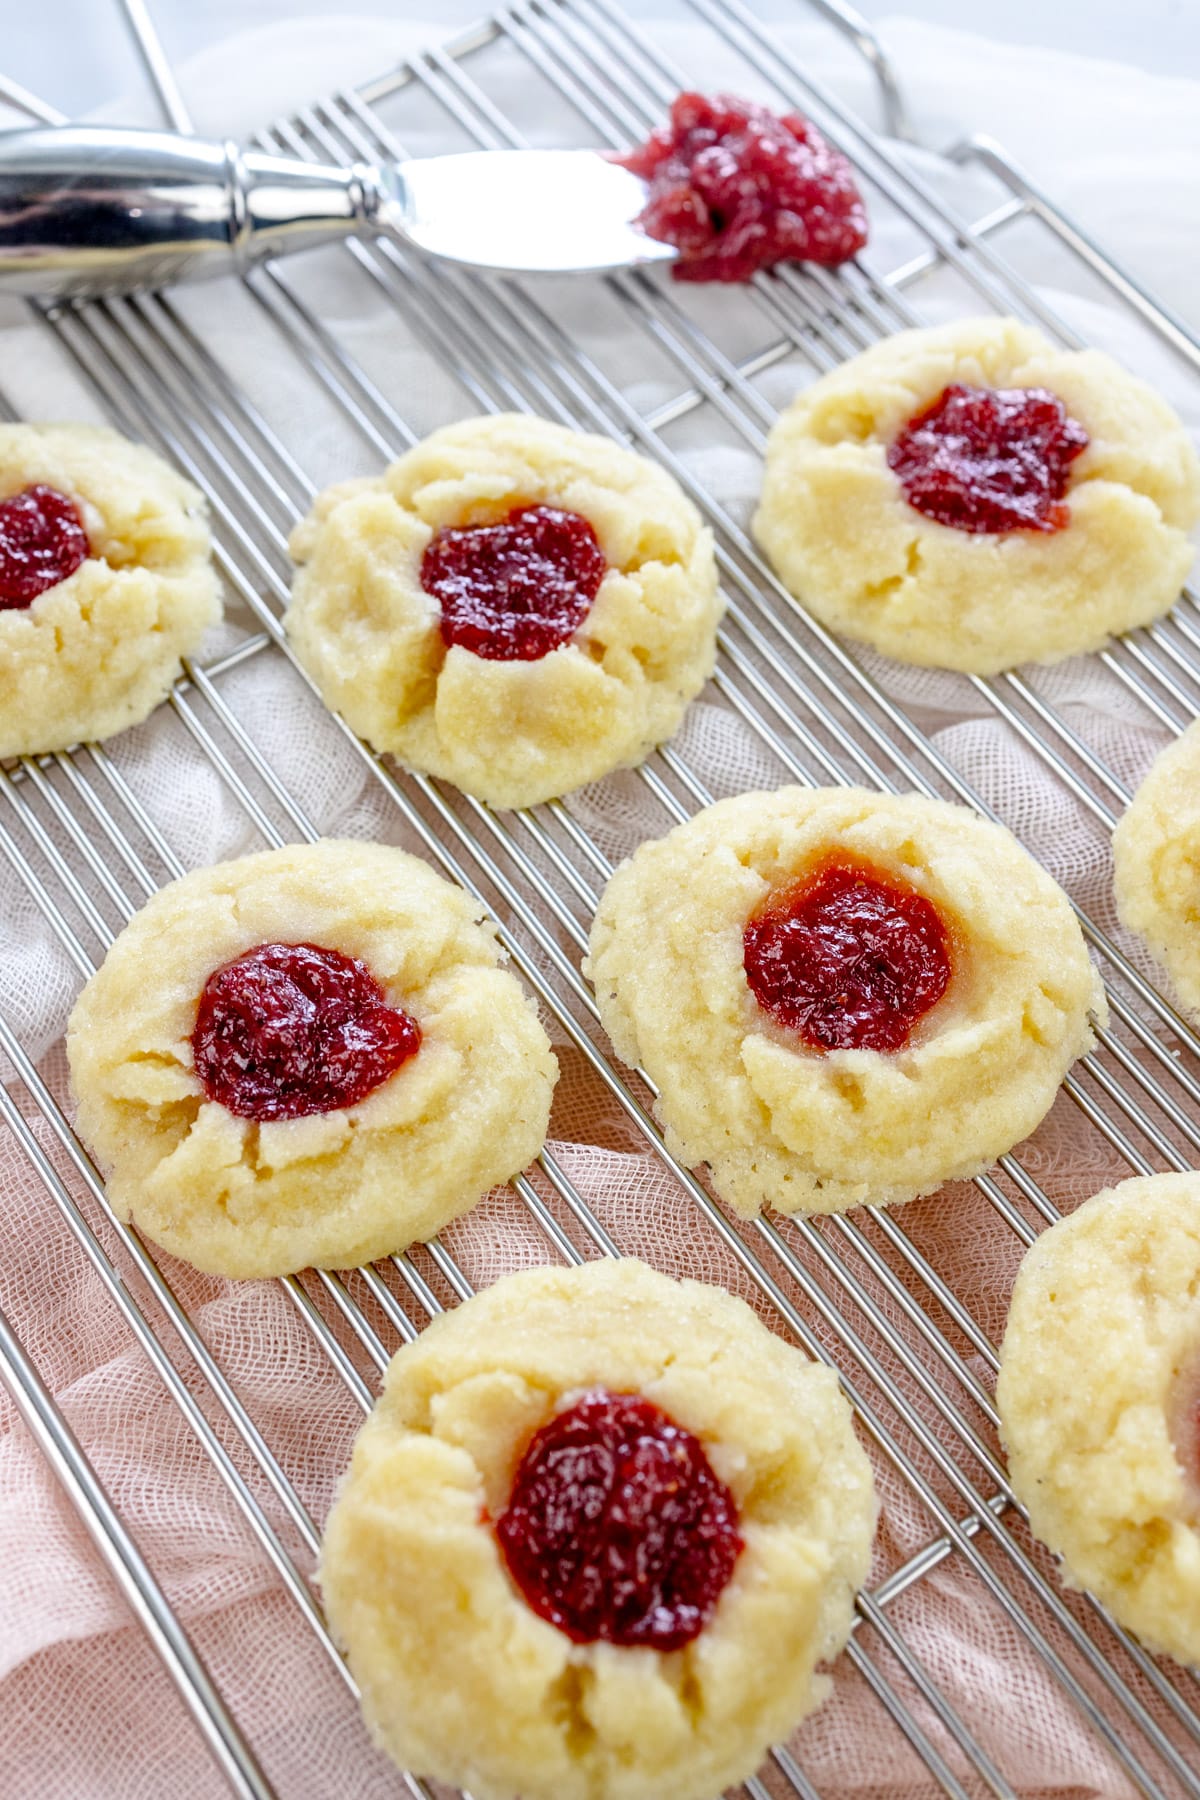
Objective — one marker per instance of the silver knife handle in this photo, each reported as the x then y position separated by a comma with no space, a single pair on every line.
89,209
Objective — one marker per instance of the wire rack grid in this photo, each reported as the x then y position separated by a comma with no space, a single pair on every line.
857,1290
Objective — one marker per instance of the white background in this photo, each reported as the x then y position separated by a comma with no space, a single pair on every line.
77,53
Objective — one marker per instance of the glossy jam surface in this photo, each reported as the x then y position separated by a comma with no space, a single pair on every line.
617,1528
990,459
515,591
737,189
42,541
290,1029
847,959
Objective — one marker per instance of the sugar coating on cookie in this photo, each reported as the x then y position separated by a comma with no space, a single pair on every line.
519,730
266,1195
835,522
1099,1399
97,651
790,1123
460,1677
1156,864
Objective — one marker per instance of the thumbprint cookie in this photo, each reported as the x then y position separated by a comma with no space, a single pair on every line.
309,1056
514,606
595,1539
1156,864
970,497
1099,1399
105,584
842,997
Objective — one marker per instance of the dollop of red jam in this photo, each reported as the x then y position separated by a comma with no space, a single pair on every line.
515,591
617,1528
291,1029
737,189
42,541
990,459
847,958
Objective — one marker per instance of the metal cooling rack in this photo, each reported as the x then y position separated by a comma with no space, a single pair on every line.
856,1290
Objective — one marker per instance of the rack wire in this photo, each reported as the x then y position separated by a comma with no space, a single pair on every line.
856,1290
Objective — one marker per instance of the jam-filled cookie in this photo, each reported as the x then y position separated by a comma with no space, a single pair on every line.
514,606
969,497
105,584
1099,1398
842,996
1156,864
308,1056
595,1538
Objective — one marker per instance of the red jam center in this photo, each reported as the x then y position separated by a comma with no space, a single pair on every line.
515,591
847,959
290,1029
42,541
617,1528
738,189
990,459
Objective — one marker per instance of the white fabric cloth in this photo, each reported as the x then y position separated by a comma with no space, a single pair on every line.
85,1714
